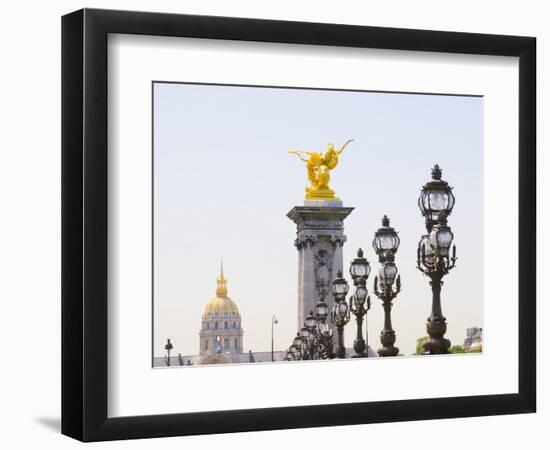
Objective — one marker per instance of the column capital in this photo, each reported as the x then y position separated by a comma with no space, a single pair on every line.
338,239
305,241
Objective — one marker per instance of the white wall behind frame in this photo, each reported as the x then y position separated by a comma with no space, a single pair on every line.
31,140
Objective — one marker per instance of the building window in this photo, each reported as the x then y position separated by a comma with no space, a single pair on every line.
226,343
234,324
236,343
206,345
225,325
207,325
216,325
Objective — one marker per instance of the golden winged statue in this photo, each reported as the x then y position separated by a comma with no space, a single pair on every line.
318,167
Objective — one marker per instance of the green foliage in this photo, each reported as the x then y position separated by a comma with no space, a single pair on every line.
454,348
420,345
457,349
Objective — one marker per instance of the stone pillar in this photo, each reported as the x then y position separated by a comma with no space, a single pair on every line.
319,240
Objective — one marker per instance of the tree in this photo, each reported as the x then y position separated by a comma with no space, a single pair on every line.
420,345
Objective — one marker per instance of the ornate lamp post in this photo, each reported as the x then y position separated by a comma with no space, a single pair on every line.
359,270
297,344
289,356
324,331
340,311
273,322
305,343
168,347
386,243
310,338
436,203
292,351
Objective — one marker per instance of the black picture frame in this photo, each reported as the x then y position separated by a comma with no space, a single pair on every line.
84,224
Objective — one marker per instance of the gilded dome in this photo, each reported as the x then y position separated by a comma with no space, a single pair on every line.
221,304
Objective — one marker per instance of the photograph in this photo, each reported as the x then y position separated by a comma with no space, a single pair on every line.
300,224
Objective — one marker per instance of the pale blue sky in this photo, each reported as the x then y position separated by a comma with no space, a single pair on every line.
224,182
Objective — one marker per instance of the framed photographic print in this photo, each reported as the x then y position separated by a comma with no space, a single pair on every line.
273,224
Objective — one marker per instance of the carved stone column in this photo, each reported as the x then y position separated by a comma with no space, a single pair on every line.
319,240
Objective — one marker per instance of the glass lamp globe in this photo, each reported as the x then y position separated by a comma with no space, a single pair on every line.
386,241
359,267
441,239
310,321
361,294
425,245
321,310
342,309
387,274
339,286
435,198
322,328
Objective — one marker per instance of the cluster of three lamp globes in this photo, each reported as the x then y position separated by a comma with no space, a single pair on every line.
385,243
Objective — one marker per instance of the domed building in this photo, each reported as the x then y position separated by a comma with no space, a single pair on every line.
221,331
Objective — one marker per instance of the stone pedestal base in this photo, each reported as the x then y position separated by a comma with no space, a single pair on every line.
319,240
388,349
320,194
437,344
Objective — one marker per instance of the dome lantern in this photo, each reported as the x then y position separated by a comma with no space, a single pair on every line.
221,291
221,305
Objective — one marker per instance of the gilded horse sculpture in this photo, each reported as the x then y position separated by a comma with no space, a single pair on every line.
318,167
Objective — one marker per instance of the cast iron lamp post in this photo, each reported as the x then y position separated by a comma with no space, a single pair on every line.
314,339
273,322
340,311
306,347
298,350
292,351
359,270
436,203
168,347
386,243
324,331
289,356
310,324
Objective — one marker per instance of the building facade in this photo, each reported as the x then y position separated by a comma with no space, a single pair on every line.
221,329
474,340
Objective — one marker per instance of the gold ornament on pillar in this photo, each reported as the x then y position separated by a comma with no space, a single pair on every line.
318,167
